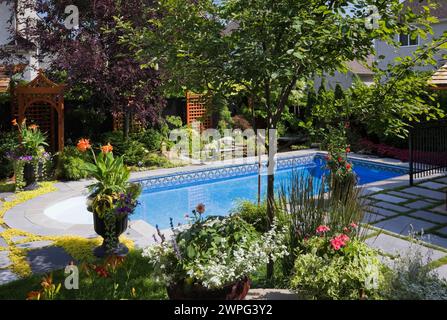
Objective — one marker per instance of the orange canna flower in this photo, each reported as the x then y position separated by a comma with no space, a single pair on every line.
14,122
83,145
107,148
47,281
200,208
33,127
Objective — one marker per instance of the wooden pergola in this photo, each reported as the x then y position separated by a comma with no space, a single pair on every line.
439,79
41,101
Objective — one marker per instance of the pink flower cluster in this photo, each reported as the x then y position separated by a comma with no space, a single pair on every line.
339,241
322,229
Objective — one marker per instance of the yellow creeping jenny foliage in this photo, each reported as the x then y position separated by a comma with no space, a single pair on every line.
81,249
45,187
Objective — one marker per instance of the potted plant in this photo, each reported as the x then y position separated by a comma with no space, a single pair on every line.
212,258
112,198
30,156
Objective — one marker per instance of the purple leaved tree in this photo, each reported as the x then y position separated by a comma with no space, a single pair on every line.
78,41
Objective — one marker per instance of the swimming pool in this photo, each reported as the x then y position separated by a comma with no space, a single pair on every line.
220,189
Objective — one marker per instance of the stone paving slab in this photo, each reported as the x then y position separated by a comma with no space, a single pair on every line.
383,212
441,209
48,259
403,225
420,204
429,216
372,218
442,231
17,238
442,180
442,272
3,242
425,193
4,259
2,229
403,195
388,198
433,185
7,276
271,294
391,206
396,246
436,240
35,244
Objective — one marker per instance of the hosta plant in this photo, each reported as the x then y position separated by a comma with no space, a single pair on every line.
213,252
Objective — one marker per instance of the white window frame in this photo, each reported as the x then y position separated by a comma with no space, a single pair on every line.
409,41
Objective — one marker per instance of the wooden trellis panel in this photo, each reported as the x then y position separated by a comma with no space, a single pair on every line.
42,102
196,110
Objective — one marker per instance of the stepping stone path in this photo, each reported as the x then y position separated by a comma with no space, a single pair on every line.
441,209
17,238
383,212
437,240
426,193
395,246
35,244
372,218
7,276
442,180
391,206
404,225
403,195
48,259
4,259
388,198
442,231
429,216
3,242
420,204
433,185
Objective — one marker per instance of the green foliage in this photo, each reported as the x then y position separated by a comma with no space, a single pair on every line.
132,280
350,273
305,203
71,164
32,139
214,252
253,214
8,143
413,279
111,174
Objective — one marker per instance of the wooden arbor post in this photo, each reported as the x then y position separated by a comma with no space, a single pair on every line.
43,91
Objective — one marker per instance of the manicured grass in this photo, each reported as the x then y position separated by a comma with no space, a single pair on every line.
131,280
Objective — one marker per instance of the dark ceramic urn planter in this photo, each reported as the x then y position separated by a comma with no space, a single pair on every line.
29,175
235,291
106,248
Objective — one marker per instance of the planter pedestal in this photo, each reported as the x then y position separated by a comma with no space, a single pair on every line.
105,250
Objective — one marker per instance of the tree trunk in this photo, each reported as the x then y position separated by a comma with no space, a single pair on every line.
126,124
271,187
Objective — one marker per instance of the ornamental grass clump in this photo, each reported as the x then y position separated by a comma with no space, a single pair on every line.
338,266
213,252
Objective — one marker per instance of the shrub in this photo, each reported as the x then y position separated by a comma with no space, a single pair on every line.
337,268
150,138
253,214
71,164
412,279
155,160
132,150
8,142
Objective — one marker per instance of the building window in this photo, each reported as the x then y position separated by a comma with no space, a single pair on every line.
406,40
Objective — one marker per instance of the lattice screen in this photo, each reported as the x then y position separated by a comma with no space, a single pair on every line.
196,110
43,116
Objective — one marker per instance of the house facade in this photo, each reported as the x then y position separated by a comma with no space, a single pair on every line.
408,46
12,40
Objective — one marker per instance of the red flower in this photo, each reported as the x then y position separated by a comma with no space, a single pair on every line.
339,241
323,229
353,225
200,208
348,150
340,159
348,166
102,272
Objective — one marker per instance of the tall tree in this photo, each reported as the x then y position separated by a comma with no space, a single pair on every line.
89,56
267,46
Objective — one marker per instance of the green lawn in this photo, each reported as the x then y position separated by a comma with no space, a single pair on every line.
131,280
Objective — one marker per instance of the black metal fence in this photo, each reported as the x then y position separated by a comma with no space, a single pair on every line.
428,149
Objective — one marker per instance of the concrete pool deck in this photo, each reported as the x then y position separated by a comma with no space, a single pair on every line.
389,210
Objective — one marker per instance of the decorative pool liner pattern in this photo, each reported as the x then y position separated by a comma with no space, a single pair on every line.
237,171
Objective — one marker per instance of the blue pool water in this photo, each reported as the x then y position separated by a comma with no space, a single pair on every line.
160,203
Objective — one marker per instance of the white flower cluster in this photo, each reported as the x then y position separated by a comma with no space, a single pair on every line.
229,264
